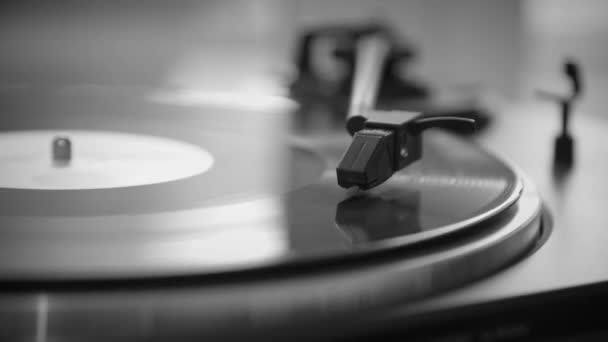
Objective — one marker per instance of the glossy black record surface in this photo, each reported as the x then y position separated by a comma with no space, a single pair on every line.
269,199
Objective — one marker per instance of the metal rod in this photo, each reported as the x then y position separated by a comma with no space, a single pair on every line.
371,55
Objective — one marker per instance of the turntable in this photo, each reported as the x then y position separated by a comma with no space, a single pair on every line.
127,218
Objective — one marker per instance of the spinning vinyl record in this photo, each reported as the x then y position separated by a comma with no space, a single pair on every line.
157,190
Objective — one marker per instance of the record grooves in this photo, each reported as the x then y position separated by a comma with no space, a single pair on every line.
290,212
263,226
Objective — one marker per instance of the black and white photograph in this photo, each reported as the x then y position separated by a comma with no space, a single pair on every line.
304,170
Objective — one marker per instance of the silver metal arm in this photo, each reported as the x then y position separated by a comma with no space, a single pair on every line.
371,55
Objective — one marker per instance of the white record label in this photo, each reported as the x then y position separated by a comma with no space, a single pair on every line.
99,160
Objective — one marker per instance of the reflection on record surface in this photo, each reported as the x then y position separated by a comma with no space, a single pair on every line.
268,199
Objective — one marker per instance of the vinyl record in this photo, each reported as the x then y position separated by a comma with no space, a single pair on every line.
245,194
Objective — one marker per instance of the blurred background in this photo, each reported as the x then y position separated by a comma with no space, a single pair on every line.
243,50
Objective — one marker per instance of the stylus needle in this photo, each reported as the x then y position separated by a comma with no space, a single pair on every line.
388,142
